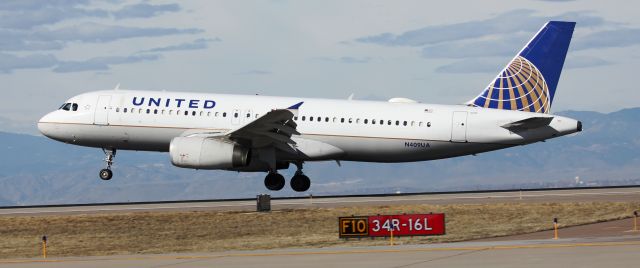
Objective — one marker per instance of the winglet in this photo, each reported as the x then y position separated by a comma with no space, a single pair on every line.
296,106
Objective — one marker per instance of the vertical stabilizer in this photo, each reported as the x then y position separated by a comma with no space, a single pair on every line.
528,83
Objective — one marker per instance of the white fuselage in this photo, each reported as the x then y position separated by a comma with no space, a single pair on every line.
351,130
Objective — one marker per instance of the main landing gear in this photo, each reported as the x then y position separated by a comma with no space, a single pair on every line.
106,174
299,182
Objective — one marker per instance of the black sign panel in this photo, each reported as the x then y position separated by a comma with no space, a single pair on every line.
353,227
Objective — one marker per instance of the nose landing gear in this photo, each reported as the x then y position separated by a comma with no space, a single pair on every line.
106,174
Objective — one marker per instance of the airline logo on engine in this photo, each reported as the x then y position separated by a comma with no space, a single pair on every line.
173,102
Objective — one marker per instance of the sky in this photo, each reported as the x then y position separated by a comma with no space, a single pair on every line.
431,51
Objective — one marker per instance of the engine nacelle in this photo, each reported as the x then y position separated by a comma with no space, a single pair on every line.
203,153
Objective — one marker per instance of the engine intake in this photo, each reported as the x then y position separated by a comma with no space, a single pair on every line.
204,153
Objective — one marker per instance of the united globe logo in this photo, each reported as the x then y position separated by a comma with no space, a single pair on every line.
521,86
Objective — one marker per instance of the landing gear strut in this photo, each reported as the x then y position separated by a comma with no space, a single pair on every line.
299,181
106,174
274,181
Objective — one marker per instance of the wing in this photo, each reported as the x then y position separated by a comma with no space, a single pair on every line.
274,128
268,133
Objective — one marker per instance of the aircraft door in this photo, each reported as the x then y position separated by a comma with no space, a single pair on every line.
459,127
101,115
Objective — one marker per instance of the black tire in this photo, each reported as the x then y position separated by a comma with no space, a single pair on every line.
300,183
106,174
274,182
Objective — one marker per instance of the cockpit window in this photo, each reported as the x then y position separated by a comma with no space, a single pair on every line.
69,106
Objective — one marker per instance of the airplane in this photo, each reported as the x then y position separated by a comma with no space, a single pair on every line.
254,133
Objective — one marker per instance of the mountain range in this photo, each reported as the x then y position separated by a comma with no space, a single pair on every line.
36,170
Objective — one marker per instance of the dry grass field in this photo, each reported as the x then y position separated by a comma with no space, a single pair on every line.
162,232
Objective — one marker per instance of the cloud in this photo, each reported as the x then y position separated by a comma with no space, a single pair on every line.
352,60
45,39
491,65
31,25
28,14
100,63
502,46
93,32
611,38
144,10
472,65
9,62
254,72
201,43
506,23
575,62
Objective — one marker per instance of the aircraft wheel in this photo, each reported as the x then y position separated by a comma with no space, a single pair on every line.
300,183
274,181
106,174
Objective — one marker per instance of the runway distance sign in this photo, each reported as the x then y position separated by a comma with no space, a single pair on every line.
384,225
353,227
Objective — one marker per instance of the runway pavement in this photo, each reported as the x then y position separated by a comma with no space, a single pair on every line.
619,251
609,244
574,195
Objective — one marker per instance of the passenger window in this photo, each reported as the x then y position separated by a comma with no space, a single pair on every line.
428,124
404,123
186,112
155,111
389,122
295,118
235,115
193,113
358,121
208,113
412,123
148,111
125,110
117,110
215,114
397,122
373,121
248,115
326,119
310,118
366,121
342,120
319,119
224,114
350,120
256,115
335,119
74,107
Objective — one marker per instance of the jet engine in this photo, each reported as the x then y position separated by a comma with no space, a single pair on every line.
207,153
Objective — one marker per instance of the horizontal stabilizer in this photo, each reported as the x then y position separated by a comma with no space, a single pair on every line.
529,123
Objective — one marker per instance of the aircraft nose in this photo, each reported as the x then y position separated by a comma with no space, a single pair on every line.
45,126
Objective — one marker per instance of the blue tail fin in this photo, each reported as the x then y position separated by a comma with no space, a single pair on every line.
528,83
